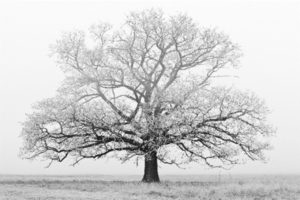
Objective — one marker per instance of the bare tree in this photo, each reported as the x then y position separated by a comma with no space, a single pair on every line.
145,90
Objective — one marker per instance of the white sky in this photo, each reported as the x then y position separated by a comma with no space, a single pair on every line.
268,32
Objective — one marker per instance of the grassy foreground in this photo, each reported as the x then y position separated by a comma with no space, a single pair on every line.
204,187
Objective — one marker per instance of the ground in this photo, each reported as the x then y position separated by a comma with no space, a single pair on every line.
202,187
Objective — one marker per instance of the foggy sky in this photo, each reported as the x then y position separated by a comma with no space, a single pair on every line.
268,33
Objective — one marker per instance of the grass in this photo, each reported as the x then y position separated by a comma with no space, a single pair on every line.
254,187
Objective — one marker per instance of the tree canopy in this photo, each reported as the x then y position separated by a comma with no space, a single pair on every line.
146,90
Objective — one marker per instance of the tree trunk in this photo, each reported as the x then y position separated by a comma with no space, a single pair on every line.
151,173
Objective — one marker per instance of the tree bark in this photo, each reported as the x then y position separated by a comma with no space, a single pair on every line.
151,172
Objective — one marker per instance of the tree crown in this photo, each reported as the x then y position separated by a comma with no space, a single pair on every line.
147,87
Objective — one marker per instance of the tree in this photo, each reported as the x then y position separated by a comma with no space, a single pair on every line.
146,90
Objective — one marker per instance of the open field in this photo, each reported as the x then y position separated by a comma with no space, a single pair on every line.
208,187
